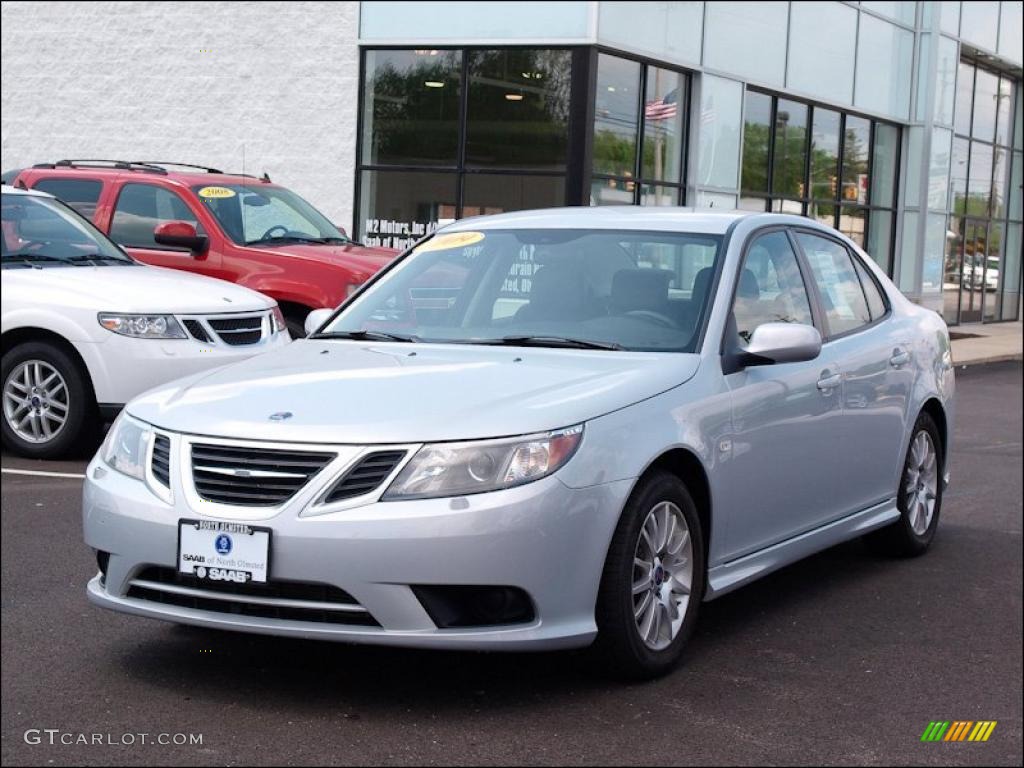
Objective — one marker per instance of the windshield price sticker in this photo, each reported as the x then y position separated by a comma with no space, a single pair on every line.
452,240
216,192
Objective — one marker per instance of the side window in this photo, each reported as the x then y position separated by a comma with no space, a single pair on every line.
770,289
140,208
845,306
80,194
876,304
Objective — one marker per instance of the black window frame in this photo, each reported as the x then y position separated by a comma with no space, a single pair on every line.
827,337
807,199
989,218
578,174
461,169
638,180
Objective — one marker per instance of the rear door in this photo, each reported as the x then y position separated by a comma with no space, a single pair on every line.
140,207
782,462
82,194
877,372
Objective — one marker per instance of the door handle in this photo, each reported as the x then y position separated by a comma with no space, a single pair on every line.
899,358
829,382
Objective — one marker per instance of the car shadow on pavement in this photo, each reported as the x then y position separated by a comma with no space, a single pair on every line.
230,666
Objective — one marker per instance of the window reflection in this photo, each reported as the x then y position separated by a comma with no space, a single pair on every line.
616,118
411,107
790,148
757,113
855,160
824,154
986,95
663,125
518,108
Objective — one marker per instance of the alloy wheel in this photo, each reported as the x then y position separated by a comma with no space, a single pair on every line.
662,575
921,482
36,401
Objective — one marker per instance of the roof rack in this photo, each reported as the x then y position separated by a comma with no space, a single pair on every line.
178,165
123,165
145,166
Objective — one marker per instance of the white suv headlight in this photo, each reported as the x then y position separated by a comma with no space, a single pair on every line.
127,445
457,469
142,326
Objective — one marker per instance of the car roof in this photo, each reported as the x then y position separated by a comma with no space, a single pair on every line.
666,219
148,171
7,190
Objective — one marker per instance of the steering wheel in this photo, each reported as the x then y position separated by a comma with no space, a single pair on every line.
34,245
655,317
270,232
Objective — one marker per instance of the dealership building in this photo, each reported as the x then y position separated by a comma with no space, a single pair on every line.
898,123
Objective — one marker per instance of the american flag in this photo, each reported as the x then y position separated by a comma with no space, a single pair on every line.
662,109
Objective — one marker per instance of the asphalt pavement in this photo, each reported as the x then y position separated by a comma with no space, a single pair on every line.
843,658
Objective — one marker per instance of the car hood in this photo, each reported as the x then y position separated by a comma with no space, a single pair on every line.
133,289
360,393
359,258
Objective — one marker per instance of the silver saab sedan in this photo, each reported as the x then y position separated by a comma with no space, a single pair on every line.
538,430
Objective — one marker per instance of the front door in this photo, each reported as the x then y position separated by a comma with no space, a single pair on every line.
781,465
139,209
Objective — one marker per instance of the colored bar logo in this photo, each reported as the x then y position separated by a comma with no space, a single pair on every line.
958,730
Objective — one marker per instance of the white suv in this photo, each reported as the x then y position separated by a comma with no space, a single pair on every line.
85,328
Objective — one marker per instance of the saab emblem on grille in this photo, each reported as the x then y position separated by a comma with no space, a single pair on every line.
281,415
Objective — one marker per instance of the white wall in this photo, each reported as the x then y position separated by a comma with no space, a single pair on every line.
193,82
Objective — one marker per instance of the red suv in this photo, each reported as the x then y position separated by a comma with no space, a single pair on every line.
239,228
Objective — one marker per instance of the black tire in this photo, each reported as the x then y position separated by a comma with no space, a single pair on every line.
81,421
899,539
618,640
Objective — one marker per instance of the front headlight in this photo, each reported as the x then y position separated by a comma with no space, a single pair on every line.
278,319
142,326
126,446
457,469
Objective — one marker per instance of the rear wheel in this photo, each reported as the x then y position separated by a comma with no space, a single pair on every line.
653,580
919,497
47,404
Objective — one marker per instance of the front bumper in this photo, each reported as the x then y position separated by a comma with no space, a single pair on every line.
544,538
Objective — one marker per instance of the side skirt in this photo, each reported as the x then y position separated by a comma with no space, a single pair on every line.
734,574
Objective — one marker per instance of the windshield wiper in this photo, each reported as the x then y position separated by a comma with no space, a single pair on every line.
285,239
546,341
366,335
28,258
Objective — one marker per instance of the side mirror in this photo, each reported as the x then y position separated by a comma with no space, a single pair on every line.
315,319
180,234
774,343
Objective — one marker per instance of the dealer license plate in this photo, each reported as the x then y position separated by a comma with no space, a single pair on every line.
219,551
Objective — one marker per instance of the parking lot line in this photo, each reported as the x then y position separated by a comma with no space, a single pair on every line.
38,473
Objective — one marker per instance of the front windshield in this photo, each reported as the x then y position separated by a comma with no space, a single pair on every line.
43,232
260,214
547,287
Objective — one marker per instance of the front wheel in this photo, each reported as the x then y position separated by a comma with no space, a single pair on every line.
919,497
653,580
47,404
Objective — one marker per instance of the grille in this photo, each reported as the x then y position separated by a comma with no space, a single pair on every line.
365,476
238,331
161,461
252,477
288,600
196,330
